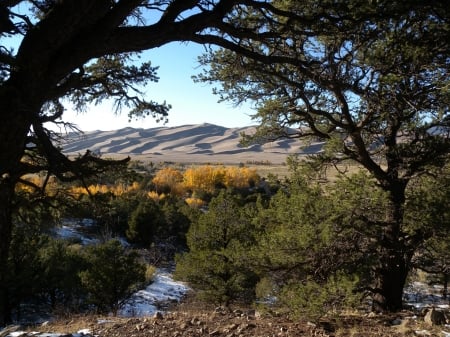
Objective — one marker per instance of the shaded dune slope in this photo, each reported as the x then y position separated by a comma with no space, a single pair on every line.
187,142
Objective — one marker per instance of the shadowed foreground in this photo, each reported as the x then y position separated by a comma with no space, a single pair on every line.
190,319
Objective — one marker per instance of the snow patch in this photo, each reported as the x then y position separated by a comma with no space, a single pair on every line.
148,301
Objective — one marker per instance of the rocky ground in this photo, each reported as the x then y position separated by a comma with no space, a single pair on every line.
190,319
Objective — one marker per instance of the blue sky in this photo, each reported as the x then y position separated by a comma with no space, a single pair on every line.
192,103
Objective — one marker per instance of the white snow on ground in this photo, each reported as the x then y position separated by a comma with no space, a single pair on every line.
81,333
76,229
160,292
147,301
420,295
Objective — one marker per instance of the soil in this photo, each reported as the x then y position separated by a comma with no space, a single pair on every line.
191,318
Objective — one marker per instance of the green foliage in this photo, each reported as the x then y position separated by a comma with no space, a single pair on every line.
370,80
316,247
35,215
313,300
217,263
429,215
113,213
59,281
23,277
45,269
113,274
145,221
295,231
157,221
176,222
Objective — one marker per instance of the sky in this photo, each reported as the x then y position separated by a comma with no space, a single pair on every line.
192,103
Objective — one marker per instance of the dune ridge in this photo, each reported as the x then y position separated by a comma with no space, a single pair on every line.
186,143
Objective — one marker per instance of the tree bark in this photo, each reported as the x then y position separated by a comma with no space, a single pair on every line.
394,255
13,130
6,193
389,283
445,282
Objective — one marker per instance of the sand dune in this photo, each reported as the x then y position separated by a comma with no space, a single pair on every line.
188,144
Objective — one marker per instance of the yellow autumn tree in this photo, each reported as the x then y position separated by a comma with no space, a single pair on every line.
207,178
204,178
36,183
94,189
169,180
195,202
239,177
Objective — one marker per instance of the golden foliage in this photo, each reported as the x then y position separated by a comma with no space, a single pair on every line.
169,179
208,178
240,177
35,183
205,178
116,190
155,196
195,202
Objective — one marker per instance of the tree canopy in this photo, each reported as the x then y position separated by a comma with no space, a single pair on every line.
53,53
370,79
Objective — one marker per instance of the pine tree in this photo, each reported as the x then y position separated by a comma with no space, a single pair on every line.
370,80
112,275
218,244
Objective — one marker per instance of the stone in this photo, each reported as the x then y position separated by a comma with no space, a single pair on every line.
435,317
158,315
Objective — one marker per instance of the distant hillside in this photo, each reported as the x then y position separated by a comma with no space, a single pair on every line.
187,143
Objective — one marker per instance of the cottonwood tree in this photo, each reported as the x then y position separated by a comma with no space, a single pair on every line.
371,79
82,51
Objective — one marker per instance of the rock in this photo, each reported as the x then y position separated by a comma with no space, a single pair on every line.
238,312
230,327
140,327
221,310
435,317
158,315
184,325
397,321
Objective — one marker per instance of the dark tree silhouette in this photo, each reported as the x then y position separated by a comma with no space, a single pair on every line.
81,51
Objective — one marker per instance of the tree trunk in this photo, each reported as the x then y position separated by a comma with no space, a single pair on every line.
14,128
389,283
445,282
5,240
394,257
